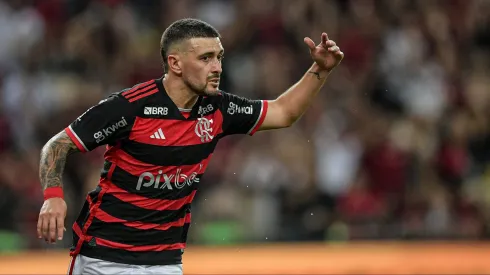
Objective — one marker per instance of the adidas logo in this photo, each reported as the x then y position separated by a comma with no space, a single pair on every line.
158,134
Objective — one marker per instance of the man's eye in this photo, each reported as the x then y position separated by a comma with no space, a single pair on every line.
220,57
205,58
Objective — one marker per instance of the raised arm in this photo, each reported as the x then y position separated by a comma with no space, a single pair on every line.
291,105
53,212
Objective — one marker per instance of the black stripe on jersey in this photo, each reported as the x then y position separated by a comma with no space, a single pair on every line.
84,214
115,255
186,230
128,182
170,155
105,169
117,232
85,211
74,236
126,211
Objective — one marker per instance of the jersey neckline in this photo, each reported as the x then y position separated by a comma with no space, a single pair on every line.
192,114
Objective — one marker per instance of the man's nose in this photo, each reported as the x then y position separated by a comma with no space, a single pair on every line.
217,68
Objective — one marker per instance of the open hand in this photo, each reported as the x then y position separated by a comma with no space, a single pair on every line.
326,54
51,220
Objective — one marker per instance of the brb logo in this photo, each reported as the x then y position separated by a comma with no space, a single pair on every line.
178,179
205,110
156,111
236,109
203,129
106,132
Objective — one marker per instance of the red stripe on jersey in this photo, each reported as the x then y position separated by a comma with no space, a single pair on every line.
81,238
144,95
150,204
177,132
78,231
141,91
263,113
103,183
75,139
111,152
136,167
136,88
81,233
72,264
157,247
111,244
111,170
105,217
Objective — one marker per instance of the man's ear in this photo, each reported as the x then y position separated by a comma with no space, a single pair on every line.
175,63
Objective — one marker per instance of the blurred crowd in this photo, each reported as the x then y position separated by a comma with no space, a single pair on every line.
396,146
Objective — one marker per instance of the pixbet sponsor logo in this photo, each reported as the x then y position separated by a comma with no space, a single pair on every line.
235,109
106,132
156,111
167,181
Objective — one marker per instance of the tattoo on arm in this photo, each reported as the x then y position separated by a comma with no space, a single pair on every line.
317,75
53,159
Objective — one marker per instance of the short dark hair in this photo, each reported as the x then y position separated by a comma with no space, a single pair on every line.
184,29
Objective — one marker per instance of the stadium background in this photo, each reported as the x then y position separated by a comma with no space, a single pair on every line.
396,147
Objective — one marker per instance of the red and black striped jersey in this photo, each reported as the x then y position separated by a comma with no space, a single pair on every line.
140,211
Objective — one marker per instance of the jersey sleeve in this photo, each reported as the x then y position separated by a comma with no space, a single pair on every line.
105,123
242,115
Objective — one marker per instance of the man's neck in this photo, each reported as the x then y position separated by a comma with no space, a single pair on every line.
180,94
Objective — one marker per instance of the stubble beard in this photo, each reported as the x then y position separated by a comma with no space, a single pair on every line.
201,90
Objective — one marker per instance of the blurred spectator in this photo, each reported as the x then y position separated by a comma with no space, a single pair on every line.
396,146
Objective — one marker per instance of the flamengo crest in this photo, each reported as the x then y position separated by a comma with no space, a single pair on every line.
203,129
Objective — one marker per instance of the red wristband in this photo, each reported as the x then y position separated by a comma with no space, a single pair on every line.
53,192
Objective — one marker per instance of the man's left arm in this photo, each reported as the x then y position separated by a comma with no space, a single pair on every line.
290,106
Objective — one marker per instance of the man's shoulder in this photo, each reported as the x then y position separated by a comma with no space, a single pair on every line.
221,97
131,100
215,99
227,96
139,93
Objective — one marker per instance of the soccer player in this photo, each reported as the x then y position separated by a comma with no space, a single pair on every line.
160,136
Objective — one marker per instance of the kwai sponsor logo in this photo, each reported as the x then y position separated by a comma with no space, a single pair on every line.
107,132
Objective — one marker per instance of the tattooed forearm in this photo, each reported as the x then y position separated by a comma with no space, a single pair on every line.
317,75
53,159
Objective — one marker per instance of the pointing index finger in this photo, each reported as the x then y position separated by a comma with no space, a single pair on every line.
310,43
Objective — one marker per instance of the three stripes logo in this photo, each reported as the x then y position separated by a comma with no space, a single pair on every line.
140,91
158,134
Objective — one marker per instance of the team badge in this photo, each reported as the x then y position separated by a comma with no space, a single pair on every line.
203,129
